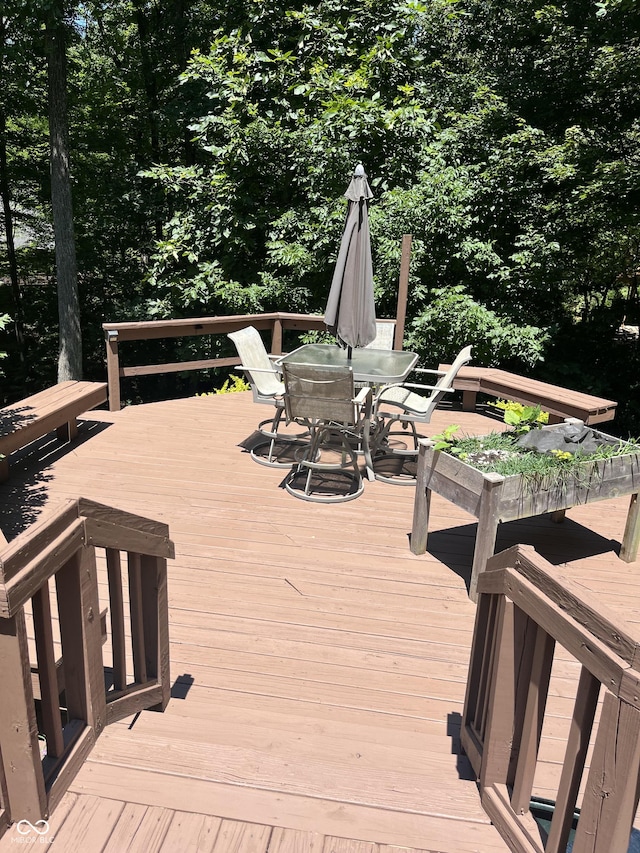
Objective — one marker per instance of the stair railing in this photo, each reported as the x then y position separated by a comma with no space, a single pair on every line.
58,689
526,606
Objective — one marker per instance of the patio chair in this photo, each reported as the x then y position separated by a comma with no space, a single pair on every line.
399,403
267,388
324,399
385,331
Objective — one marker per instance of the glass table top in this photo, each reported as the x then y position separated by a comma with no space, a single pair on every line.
375,366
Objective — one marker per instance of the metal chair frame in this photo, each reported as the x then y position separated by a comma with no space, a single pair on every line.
267,389
324,399
409,408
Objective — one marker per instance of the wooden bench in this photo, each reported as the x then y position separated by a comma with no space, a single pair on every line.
54,408
559,402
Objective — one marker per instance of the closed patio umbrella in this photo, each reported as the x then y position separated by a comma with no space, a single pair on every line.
350,313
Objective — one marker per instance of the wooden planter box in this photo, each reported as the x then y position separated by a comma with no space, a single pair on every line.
492,498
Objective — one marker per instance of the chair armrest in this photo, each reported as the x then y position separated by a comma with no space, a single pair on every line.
257,369
364,399
428,370
426,387
410,385
363,393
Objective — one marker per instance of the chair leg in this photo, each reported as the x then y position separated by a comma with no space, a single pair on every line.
381,437
272,436
348,466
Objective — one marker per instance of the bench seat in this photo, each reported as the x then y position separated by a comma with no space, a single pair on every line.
559,402
54,408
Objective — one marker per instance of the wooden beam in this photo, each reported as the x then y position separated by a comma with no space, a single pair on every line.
20,750
403,291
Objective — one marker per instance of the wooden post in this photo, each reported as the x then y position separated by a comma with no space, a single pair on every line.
475,701
631,538
611,795
584,711
496,753
156,624
533,719
24,780
137,619
116,611
81,635
469,400
488,522
276,338
113,370
403,291
422,501
47,674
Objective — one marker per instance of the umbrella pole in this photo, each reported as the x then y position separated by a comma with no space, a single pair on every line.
349,353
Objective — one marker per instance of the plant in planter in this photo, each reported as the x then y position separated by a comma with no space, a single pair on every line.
522,473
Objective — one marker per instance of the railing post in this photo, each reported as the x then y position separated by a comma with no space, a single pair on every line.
24,779
496,754
113,369
137,619
539,674
403,291
480,666
611,796
276,337
155,607
79,610
116,612
47,674
584,711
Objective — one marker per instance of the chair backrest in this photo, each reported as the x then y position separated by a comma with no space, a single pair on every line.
445,382
463,357
315,391
385,331
253,354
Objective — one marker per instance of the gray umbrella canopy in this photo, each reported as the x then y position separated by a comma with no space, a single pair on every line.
350,313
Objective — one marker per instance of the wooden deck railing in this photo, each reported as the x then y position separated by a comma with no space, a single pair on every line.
116,333
525,607
65,699
276,323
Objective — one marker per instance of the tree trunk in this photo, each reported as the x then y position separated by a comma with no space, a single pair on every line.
151,91
5,192
70,355
11,249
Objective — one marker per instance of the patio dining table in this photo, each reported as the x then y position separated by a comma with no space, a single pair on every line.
370,366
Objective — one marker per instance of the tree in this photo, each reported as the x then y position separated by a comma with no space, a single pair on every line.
70,334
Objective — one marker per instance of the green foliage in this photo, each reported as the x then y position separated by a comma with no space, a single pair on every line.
211,146
233,385
522,418
501,454
445,439
454,319
524,421
531,414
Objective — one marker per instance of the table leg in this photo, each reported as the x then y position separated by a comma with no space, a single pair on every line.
488,521
631,538
421,504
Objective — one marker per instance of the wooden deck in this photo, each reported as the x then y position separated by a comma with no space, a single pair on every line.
318,666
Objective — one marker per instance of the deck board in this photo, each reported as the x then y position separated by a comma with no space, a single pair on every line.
318,666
